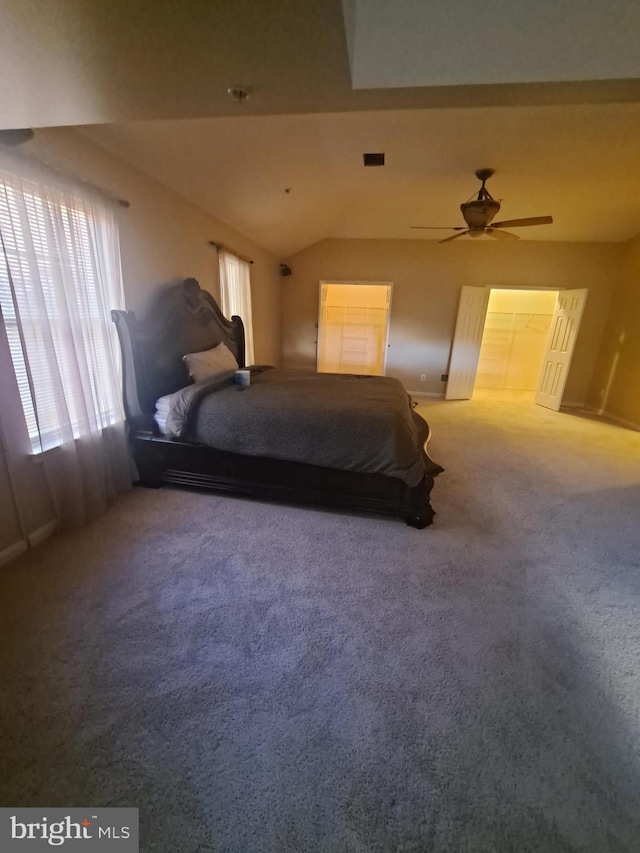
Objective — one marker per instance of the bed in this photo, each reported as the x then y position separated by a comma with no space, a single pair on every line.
274,454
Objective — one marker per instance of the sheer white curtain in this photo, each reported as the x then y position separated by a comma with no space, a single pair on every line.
60,277
235,293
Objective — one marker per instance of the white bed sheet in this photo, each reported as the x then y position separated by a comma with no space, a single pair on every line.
162,410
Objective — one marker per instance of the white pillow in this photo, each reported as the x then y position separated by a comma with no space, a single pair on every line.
211,362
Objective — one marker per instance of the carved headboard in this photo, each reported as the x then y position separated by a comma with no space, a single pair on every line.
183,319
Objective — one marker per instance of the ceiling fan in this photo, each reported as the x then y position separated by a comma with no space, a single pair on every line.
479,212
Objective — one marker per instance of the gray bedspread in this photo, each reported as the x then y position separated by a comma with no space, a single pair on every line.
352,423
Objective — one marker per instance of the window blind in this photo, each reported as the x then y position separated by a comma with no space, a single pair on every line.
56,291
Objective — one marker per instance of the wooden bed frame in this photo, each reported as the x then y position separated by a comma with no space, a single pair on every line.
185,319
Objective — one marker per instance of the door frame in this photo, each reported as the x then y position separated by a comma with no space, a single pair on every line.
319,324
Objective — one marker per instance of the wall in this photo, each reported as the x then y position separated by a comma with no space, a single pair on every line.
616,381
427,279
9,525
164,239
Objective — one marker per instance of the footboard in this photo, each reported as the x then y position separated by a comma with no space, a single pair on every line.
162,461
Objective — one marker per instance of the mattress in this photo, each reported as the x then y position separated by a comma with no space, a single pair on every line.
346,422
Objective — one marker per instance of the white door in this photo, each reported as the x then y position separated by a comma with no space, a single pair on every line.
562,340
353,327
467,340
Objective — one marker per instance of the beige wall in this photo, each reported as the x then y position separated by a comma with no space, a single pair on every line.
163,239
427,279
9,527
616,381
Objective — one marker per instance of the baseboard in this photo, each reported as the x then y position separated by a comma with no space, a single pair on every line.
31,541
571,405
432,394
623,422
13,551
42,533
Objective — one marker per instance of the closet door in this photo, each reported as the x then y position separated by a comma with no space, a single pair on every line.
467,339
560,345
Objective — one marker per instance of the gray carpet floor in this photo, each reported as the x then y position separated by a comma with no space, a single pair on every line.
264,678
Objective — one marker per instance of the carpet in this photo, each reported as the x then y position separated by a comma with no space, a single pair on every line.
256,677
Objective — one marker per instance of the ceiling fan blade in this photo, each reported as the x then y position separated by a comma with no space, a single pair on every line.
501,235
441,227
519,223
454,236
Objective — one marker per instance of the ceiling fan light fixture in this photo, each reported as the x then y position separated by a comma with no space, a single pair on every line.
479,213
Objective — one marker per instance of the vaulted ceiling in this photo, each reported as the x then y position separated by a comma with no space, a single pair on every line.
548,94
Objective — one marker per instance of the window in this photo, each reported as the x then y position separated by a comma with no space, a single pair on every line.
59,278
235,293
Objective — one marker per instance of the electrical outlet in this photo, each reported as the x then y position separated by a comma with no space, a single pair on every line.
444,377
423,376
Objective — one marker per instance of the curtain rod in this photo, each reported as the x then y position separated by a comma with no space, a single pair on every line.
219,247
62,172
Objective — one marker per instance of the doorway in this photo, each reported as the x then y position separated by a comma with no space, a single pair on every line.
515,320
514,339
353,327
